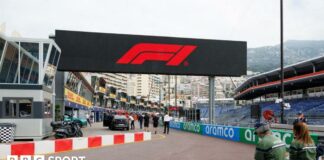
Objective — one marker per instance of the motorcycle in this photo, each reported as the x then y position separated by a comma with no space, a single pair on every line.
66,129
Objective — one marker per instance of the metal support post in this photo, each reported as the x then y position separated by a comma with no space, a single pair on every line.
211,99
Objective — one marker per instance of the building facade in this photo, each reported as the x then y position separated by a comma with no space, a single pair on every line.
27,71
74,95
116,80
147,86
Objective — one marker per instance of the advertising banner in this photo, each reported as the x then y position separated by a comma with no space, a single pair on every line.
176,125
239,134
223,132
247,136
192,127
124,53
75,98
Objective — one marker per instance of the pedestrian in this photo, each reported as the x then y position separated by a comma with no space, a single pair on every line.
92,120
270,147
140,120
300,118
303,146
146,122
167,120
155,122
131,118
88,119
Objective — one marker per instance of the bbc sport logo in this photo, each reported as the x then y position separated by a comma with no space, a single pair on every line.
42,157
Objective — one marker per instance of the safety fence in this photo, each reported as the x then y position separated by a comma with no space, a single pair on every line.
238,134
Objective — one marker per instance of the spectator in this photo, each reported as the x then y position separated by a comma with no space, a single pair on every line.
92,119
155,122
140,120
300,118
167,120
88,119
302,147
270,147
131,118
146,122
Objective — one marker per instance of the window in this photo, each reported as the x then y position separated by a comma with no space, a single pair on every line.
25,108
18,108
29,54
51,67
8,73
10,108
2,44
45,50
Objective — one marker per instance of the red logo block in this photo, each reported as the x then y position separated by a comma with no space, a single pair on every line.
173,54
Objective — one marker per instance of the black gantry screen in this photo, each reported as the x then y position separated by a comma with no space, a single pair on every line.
121,53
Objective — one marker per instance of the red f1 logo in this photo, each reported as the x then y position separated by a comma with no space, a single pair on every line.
173,54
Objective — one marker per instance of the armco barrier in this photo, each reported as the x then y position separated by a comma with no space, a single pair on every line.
239,134
70,144
247,136
224,132
192,127
176,125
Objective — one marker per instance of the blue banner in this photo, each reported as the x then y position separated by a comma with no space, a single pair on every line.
175,125
224,132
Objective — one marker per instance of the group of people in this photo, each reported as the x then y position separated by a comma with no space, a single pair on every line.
272,148
146,119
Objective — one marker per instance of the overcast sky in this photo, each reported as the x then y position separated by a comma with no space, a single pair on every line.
254,21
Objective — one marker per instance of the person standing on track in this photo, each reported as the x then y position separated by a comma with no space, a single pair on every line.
88,119
131,118
146,122
167,120
270,147
140,120
303,146
155,122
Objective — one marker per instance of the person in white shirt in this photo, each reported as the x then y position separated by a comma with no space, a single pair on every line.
88,119
131,118
167,120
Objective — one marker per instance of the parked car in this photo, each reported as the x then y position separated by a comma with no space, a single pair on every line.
116,122
82,122
107,119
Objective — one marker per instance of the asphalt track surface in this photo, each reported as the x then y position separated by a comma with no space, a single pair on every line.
178,145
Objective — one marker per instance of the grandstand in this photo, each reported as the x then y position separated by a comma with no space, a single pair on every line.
303,83
304,91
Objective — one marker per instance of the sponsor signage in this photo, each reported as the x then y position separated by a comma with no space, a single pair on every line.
239,134
224,132
176,125
192,127
75,98
122,53
247,136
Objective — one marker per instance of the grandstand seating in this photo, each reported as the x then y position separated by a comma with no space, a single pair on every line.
313,108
